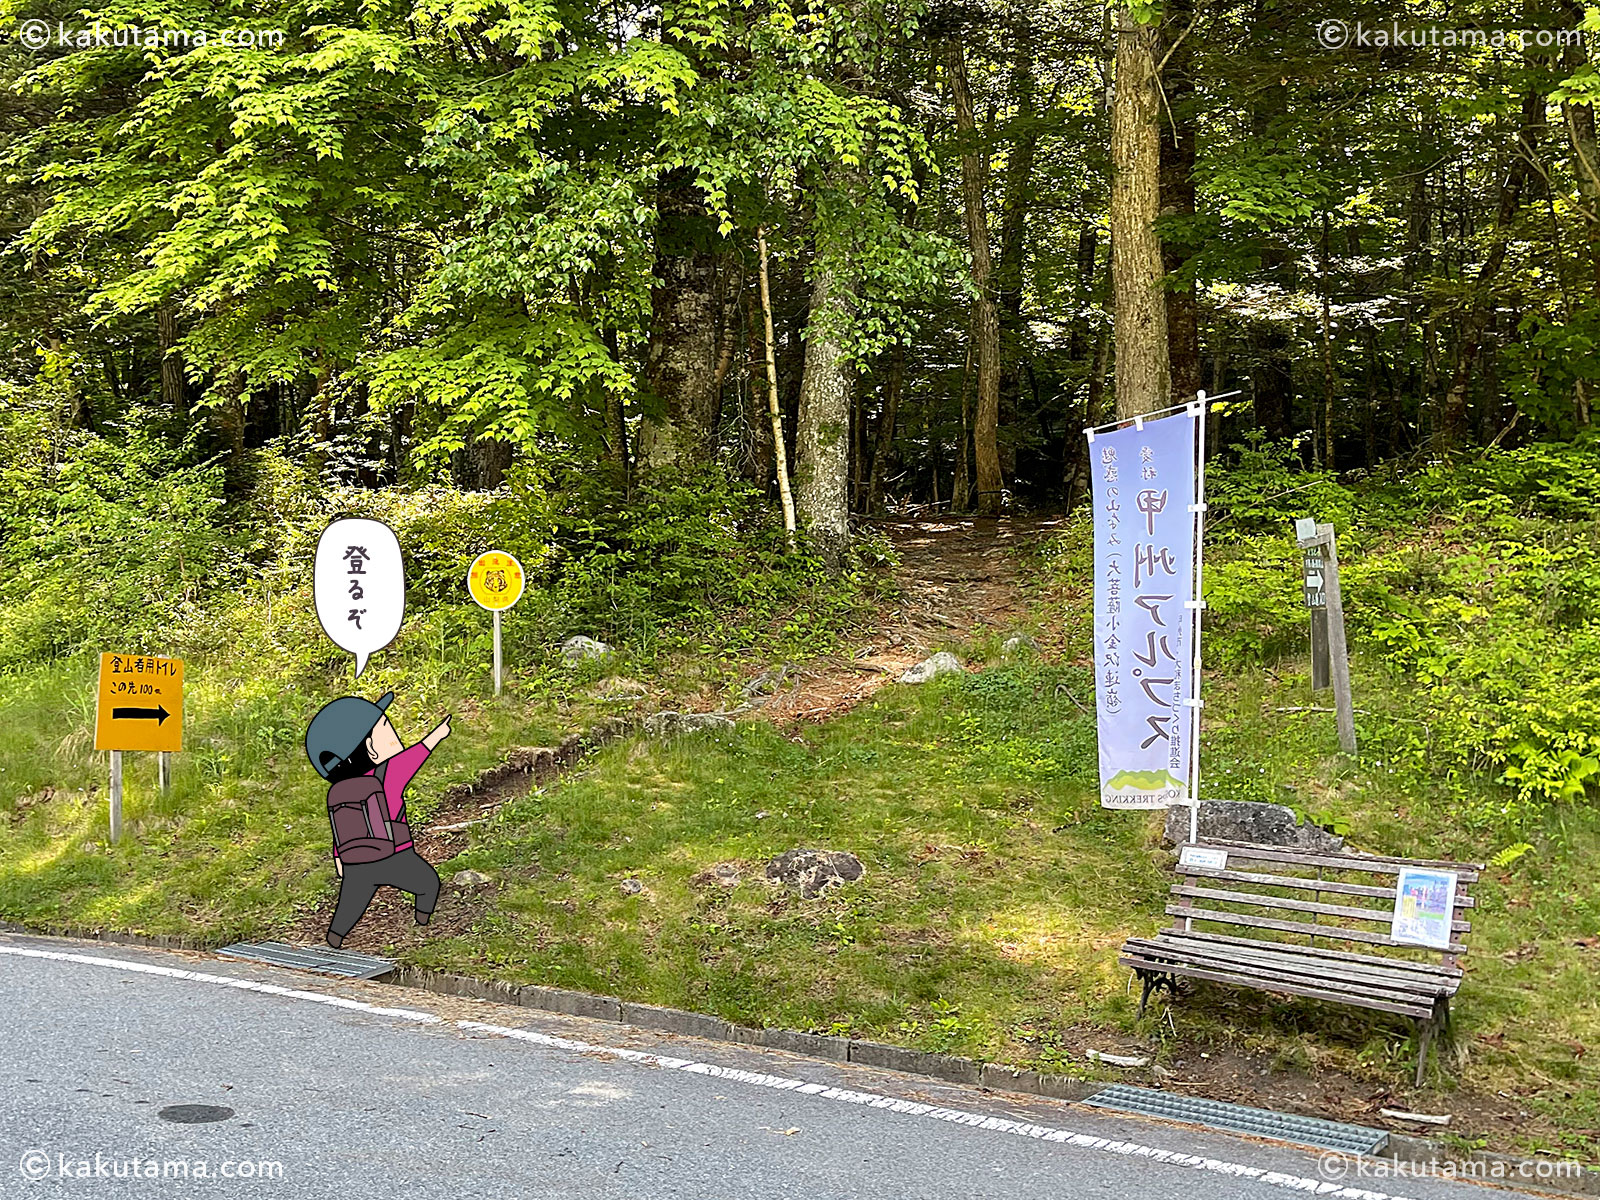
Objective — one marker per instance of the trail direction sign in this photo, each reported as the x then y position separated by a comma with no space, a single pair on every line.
139,703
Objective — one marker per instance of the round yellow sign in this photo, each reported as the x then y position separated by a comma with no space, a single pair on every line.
495,580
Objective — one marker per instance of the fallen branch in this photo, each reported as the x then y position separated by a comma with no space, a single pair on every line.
1396,1114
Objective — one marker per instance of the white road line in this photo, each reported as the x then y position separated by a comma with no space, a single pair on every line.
955,1116
245,985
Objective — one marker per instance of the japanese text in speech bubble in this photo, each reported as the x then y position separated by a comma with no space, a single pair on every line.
360,586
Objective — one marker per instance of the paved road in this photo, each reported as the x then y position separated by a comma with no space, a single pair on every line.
358,1090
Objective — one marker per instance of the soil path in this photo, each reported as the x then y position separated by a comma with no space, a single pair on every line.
958,578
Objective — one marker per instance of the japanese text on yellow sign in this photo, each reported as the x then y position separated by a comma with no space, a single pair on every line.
495,580
139,704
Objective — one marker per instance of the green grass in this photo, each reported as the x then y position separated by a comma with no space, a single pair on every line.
997,890
992,873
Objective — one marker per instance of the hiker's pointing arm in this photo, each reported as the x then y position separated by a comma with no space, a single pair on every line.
440,732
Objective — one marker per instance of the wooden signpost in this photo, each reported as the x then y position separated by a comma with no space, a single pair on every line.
138,706
495,581
1330,655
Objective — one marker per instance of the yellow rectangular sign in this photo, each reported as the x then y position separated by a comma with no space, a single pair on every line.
140,703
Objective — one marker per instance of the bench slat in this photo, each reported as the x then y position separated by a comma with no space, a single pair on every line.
1327,910
1256,950
1247,975
1293,989
1346,977
1330,931
1373,863
1433,984
1247,944
1305,884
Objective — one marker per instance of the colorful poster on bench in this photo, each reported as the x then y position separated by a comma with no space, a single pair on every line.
1144,622
1424,907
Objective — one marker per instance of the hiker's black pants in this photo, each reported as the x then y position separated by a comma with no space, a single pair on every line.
408,871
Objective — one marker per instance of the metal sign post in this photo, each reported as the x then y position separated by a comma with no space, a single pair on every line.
495,581
1330,653
116,796
497,652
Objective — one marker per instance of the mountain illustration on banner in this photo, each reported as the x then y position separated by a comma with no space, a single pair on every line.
1143,781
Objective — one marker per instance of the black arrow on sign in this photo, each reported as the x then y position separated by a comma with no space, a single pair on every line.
157,714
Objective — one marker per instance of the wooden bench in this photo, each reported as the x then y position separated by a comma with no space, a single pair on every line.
1270,926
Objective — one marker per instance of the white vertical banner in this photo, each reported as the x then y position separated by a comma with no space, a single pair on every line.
1148,514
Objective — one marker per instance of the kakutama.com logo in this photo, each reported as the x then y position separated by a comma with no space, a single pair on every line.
39,34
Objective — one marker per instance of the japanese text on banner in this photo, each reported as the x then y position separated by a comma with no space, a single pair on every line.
1144,531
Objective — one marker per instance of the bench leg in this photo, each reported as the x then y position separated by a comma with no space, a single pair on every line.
1153,981
1425,1028
1148,979
1429,1026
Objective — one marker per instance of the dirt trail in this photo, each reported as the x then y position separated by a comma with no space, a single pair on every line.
958,577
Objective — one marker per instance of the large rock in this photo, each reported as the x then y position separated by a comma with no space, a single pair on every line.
675,724
1019,644
1244,821
576,649
942,663
810,871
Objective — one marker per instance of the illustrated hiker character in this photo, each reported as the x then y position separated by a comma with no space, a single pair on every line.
353,746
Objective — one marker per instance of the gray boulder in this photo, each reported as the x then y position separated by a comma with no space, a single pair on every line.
942,663
1244,821
1019,643
675,724
810,871
576,649
469,880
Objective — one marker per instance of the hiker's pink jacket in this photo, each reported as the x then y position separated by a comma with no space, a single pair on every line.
398,772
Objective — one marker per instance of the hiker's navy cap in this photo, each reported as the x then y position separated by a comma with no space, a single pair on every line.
341,726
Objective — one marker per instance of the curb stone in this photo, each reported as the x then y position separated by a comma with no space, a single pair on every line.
1401,1148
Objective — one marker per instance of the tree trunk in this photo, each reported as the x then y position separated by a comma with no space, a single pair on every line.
681,364
172,397
885,438
1271,384
482,465
774,413
960,481
226,419
1453,417
822,450
1009,270
1579,120
1325,451
1143,376
986,315
615,455
1177,200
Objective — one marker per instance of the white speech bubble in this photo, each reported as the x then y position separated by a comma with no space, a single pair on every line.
360,586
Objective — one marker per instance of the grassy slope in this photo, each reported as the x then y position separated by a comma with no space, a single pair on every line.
996,892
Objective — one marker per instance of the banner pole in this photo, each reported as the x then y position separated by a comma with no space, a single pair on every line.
1197,703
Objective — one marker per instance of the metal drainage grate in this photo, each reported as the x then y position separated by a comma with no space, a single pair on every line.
1260,1122
311,958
